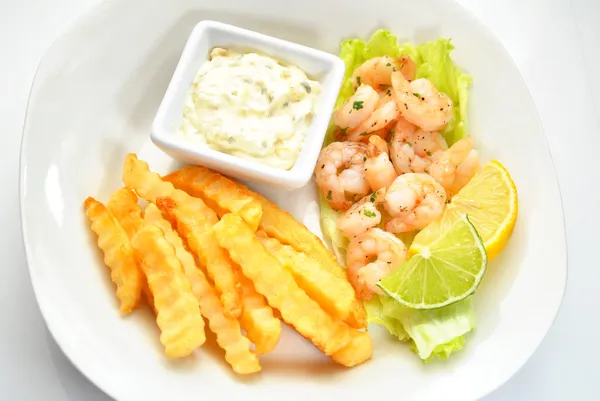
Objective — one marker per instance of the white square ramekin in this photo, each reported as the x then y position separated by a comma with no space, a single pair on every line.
321,66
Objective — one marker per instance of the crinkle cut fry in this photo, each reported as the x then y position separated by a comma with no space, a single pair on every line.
119,256
227,330
276,222
222,194
358,350
177,311
149,297
278,286
335,295
123,204
257,318
196,228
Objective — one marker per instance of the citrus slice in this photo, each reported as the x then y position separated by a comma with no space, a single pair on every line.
447,271
491,202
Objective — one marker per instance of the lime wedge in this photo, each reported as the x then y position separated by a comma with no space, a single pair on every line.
446,271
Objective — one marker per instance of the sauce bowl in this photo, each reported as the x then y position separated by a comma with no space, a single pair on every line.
320,66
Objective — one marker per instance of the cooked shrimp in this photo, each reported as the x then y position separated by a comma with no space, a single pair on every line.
464,172
385,95
412,149
383,116
362,215
413,200
421,103
408,69
358,108
340,173
379,170
456,166
372,256
376,146
377,72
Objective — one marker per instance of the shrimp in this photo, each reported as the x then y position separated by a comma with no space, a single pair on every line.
362,215
412,149
358,108
382,118
456,166
340,173
379,170
421,103
464,172
377,72
413,200
408,69
372,256
385,94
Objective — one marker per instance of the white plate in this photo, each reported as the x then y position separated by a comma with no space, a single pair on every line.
93,100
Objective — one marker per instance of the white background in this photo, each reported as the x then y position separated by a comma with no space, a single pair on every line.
555,44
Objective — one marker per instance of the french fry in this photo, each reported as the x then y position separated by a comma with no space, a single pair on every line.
278,286
276,222
195,225
281,225
177,310
119,256
222,194
123,204
336,296
228,332
148,295
178,314
257,318
358,350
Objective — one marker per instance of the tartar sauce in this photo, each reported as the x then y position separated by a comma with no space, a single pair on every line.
250,106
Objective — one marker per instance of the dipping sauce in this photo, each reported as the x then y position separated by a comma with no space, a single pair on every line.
250,106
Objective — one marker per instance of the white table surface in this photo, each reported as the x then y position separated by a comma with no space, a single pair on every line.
555,44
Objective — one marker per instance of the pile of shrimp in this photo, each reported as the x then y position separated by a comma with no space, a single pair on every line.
390,169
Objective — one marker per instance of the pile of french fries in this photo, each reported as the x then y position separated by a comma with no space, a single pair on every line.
208,248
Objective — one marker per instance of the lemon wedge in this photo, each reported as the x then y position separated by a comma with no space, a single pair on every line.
490,200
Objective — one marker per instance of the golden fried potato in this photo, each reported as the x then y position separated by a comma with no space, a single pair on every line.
359,350
279,287
178,313
119,256
123,204
148,295
276,222
221,194
177,310
194,221
335,295
257,319
229,336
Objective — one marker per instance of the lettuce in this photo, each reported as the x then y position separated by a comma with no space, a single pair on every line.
434,333
339,242
375,309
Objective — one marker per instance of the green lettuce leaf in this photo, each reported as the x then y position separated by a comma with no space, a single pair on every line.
435,333
375,314
338,241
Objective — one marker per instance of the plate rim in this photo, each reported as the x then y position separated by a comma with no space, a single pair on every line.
104,386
